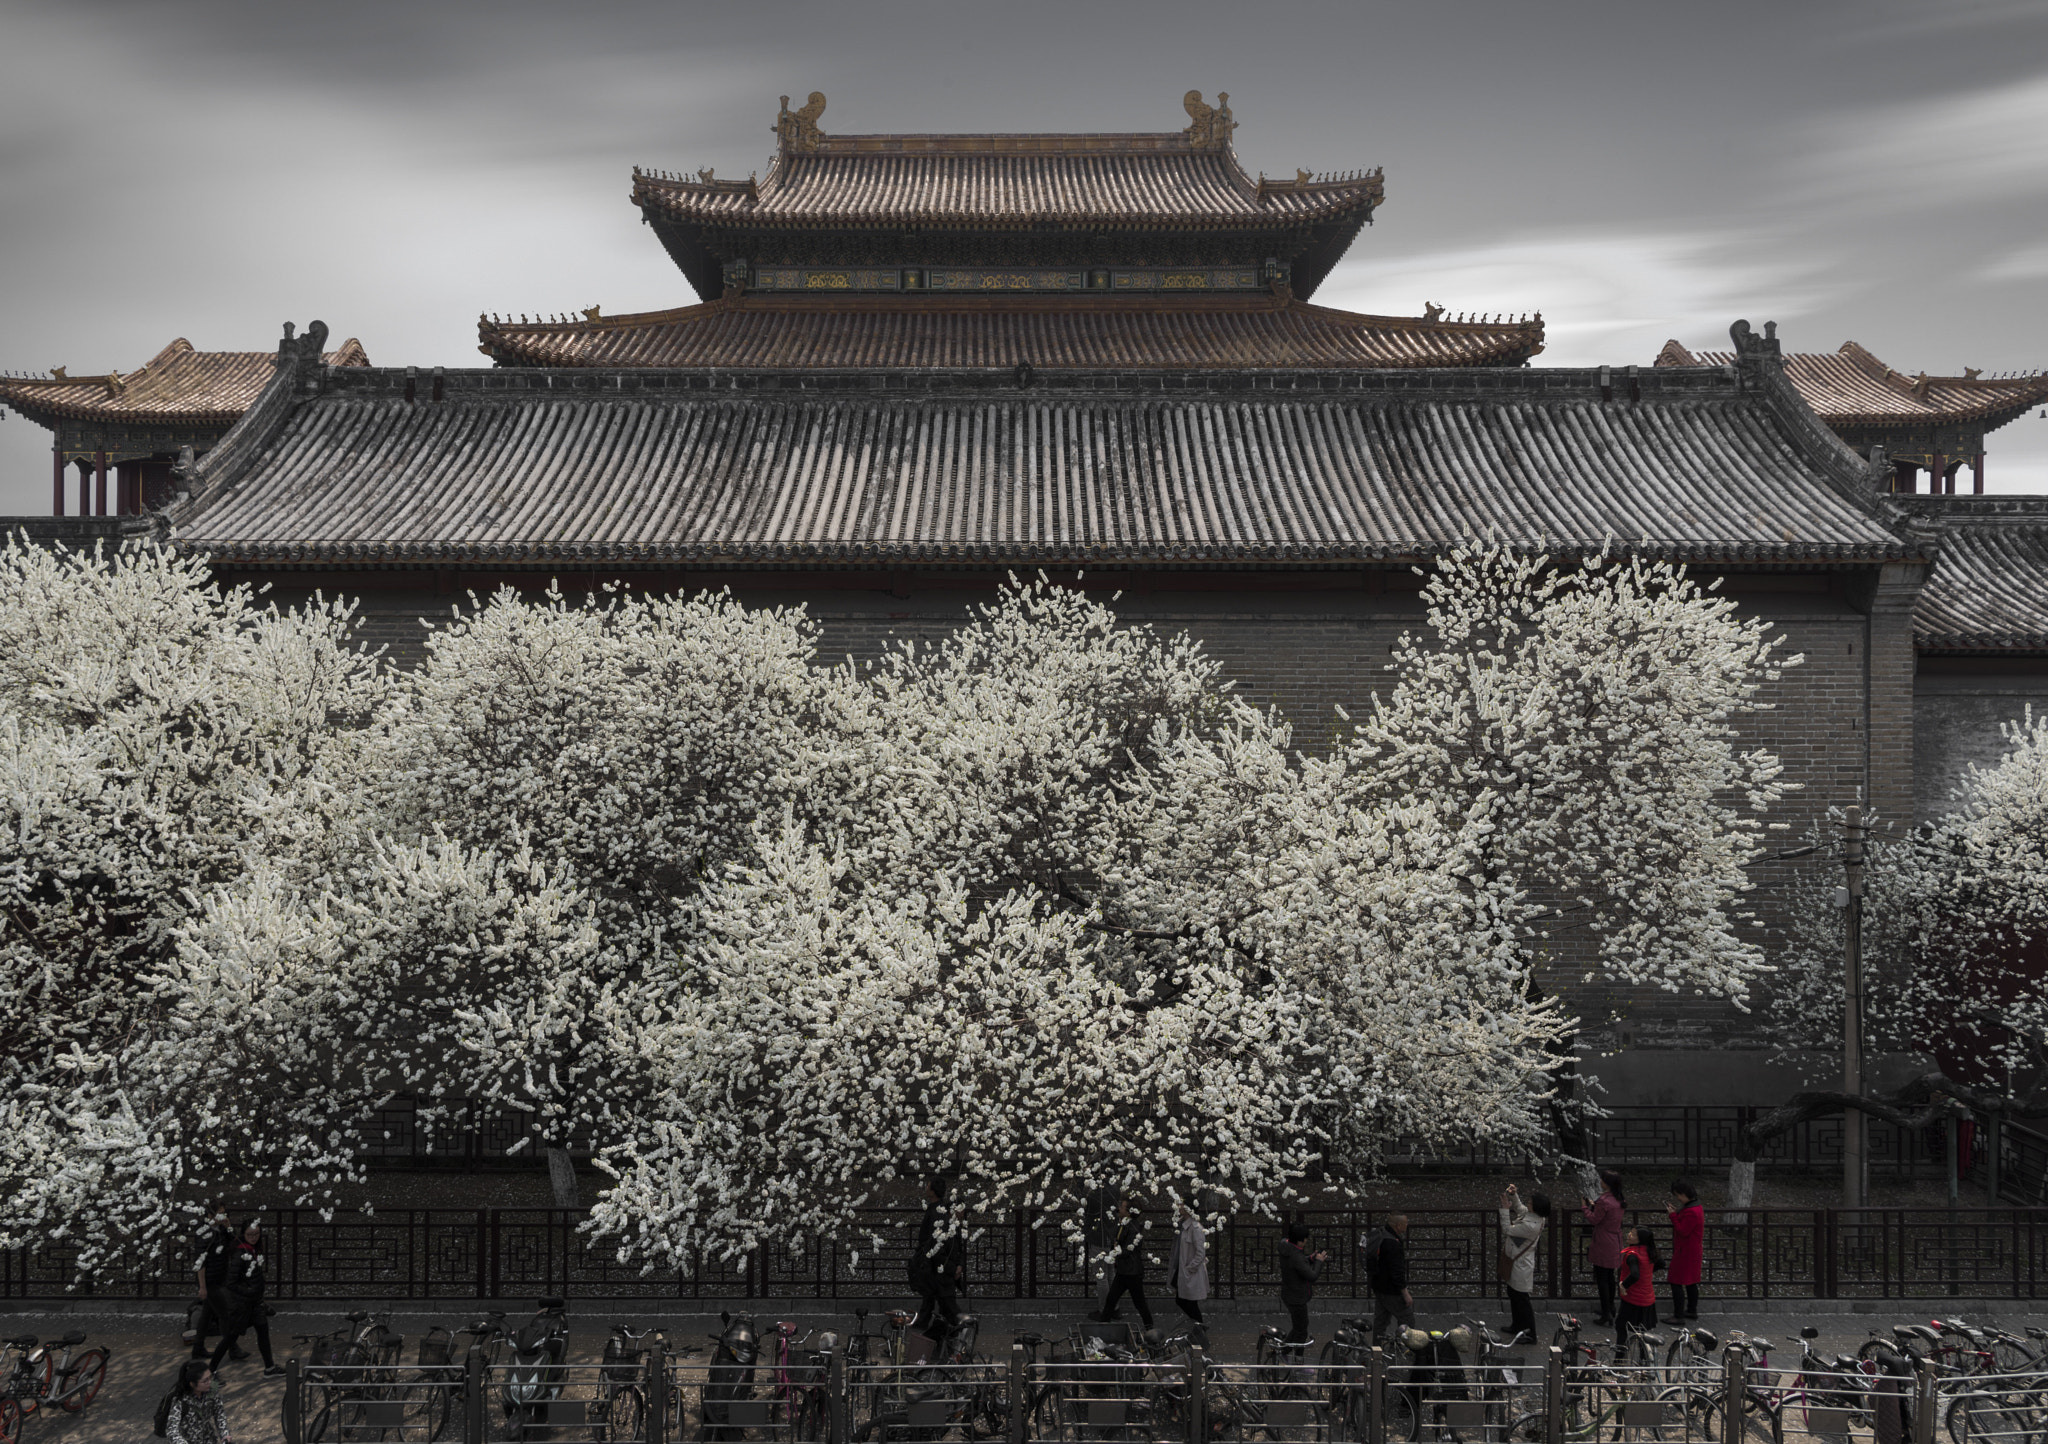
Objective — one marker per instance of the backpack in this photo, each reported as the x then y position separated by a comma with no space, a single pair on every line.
163,1415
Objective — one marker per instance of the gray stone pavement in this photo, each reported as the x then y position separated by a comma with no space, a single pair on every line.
146,1349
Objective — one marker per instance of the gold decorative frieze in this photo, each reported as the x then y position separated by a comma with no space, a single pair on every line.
957,279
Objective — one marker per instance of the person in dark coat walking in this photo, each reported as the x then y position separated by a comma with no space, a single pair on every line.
937,1270
211,1269
1299,1270
1129,1264
244,1287
1386,1274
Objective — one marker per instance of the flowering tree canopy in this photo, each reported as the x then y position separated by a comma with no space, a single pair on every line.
1044,907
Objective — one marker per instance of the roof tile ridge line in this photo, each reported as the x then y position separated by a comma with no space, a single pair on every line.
1678,352
178,346
236,451
1761,369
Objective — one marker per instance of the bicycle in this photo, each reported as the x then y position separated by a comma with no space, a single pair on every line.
801,1391
1605,1401
621,1388
40,1377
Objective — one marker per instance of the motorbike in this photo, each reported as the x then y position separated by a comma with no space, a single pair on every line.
534,1372
737,1349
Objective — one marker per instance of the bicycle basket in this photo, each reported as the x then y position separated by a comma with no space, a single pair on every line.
437,1346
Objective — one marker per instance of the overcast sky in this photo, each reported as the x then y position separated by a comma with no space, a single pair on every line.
1869,170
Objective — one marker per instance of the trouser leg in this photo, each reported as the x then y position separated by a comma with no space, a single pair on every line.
1521,1314
262,1322
1191,1307
1390,1309
1603,1279
1136,1288
1297,1315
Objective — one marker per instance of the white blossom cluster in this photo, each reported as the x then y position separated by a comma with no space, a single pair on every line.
1952,918
1042,908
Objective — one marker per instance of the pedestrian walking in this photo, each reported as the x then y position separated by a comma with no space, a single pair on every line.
1688,1249
1521,1226
194,1414
1129,1266
211,1270
1603,1251
937,1271
1386,1274
1299,1270
1637,1277
243,1288
1190,1276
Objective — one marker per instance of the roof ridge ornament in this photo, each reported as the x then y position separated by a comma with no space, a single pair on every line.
798,130
1210,126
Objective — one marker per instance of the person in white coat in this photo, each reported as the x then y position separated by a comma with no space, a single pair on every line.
1190,1264
1520,1231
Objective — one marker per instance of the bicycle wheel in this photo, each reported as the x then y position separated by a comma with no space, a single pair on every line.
437,1409
1986,1418
1763,1422
1688,1414
2014,1356
10,1422
1528,1428
1399,1416
84,1380
316,1426
625,1415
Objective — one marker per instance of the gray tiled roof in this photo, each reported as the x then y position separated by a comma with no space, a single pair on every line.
1989,588
653,465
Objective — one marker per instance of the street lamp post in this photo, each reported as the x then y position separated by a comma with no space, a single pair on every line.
1852,1005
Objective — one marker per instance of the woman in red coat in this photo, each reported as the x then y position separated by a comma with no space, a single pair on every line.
1637,1278
1688,1248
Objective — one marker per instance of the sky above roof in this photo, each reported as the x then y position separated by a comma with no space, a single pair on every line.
1872,170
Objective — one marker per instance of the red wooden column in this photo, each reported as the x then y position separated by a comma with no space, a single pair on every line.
1977,474
99,480
84,488
56,481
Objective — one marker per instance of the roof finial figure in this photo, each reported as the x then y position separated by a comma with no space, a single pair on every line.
1211,125
798,130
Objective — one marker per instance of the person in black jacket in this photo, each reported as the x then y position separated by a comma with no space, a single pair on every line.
211,1270
1129,1265
1386,1274
1298,1272
937,1270
243,1287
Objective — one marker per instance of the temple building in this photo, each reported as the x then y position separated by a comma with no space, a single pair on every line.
1934,424
135,426
918,363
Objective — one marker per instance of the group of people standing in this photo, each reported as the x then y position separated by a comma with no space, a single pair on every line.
1625,1260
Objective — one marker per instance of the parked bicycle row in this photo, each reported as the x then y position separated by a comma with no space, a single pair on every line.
1105,1383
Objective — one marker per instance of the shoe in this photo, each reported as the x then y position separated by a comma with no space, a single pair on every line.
273,1371
237,1355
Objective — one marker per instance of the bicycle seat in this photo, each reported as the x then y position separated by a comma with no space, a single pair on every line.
1903,1332
1705,1337
1030,1341
552,1304
899,1317
1364,1326
2034,1332
1809,1332
20,1341
357,1316
1651,1336
68,1341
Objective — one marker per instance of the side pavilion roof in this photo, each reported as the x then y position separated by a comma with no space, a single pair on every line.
178,384
1851,387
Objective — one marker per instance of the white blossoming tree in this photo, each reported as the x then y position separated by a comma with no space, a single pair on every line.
157,734
1090,870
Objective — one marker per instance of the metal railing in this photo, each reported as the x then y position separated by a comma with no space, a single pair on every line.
1559,1398
458,1254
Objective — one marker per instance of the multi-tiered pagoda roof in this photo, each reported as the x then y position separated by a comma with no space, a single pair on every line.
1141,250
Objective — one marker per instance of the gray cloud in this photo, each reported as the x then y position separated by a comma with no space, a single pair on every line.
1850,168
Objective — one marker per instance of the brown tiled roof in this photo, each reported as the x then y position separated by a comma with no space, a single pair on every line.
879,467
1251,331
1988,591
1851,387
1002,181
177,384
